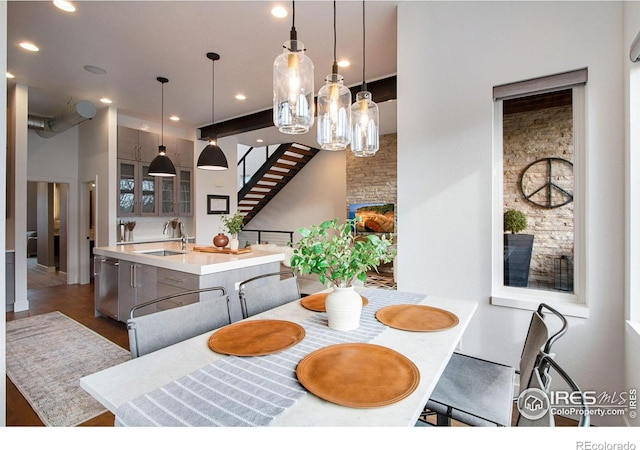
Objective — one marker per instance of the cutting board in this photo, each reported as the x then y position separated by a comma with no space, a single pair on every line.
221,250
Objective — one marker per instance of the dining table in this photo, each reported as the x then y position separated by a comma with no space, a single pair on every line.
322,377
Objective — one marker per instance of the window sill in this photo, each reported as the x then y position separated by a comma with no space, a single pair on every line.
566,304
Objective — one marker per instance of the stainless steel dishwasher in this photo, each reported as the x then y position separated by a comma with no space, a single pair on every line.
106,286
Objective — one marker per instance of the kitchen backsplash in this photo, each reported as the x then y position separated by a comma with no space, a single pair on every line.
152,227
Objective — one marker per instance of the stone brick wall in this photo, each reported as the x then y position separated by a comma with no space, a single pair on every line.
528,137
374,179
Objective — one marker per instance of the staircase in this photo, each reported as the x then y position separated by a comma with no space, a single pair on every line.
285,162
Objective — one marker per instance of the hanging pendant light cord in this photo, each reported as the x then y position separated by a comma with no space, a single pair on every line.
293,34
364,82
162,117
335,58
213,57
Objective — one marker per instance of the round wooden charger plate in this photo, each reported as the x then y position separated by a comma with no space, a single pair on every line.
358,375
315,302
417,318
256,337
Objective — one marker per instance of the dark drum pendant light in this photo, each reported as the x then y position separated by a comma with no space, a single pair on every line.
212,157
161,166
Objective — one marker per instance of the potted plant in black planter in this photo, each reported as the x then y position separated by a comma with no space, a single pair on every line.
517,249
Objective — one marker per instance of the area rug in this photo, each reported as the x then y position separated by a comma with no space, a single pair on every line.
46,355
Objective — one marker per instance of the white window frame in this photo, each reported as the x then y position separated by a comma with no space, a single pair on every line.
632,206
571,304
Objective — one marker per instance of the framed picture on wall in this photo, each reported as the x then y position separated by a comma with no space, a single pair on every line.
217,204
374,217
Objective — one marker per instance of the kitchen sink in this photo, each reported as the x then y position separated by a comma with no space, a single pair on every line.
161,252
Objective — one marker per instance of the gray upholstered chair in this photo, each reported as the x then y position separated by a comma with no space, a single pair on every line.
268,291
481,393
151,332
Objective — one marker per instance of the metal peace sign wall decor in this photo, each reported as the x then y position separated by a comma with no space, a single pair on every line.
548,182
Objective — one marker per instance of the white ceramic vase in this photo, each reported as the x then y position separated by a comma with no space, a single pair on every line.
234,243
343,306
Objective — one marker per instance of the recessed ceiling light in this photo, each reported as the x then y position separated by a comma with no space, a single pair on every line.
241,97
174,118
95,69
260,140
280,12
29,46
10,75
106,100
343,63
64,5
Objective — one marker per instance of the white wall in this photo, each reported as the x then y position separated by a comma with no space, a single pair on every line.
55,160
632,235
97,141
17,220
213,182
317,193
450,55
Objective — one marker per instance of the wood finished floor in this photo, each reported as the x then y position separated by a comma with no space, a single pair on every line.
76,301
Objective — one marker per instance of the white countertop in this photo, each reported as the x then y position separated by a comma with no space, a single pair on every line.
199,263
430,351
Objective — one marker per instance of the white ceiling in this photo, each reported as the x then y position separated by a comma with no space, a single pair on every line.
137,41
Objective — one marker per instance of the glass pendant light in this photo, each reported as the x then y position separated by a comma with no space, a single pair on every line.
161,166
334,102
293,107
212,157
365,127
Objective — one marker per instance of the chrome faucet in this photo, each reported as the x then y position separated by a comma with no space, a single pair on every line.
183,235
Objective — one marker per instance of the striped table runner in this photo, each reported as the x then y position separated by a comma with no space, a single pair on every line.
251,391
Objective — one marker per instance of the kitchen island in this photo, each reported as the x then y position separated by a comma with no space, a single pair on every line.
153,270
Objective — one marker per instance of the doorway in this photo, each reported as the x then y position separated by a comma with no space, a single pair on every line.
88,226
47,234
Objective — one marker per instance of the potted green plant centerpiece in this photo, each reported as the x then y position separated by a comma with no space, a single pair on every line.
332,251
517,249
234,225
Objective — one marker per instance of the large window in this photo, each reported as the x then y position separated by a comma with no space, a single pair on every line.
538,210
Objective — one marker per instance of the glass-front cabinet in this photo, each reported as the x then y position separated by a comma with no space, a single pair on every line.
137,190
140,194
176,193
167,196
127,190
148,196
186,191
